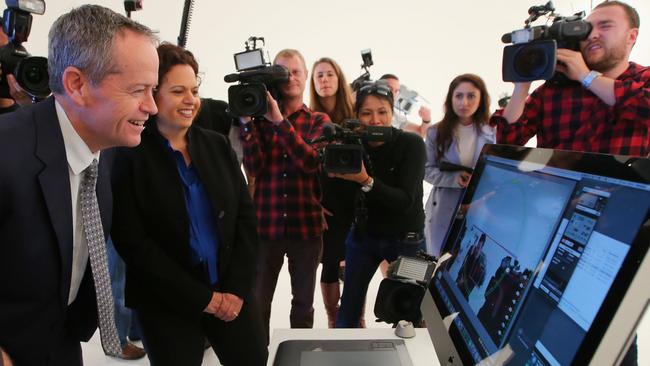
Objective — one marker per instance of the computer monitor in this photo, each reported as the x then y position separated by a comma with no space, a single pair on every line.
549,264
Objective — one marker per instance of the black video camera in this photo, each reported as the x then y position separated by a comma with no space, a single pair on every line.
345,152
30,71
532,56
255,77
400,294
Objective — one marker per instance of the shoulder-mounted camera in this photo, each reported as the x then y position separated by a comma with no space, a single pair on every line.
532,56
256,76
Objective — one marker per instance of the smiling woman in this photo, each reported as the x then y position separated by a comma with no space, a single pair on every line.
189,238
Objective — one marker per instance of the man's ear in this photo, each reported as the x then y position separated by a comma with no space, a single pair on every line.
632,35
75,85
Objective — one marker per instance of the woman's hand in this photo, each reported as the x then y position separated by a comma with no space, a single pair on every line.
463,179
229,308
360,177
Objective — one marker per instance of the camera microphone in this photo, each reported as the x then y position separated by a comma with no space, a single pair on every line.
277,72
506,38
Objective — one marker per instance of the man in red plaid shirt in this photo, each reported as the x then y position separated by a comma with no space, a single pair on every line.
606,109
287,194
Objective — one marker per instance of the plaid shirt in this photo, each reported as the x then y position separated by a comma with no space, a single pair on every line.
285,167
572,118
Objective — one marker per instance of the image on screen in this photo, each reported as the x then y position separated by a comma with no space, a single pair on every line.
535,257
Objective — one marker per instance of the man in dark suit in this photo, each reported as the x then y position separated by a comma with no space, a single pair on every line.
103,68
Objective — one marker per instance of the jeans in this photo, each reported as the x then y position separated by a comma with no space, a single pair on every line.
126,324
362,257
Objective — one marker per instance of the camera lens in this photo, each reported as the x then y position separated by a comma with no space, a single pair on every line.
531,61
248,99
345,158
32,75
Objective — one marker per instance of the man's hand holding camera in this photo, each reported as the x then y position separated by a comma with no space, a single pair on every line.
16,91
571,64
273,113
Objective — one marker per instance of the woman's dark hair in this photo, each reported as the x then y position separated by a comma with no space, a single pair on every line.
379,89
343,108
448,123
170,55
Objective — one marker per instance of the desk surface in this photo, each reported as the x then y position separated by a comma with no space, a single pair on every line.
419,347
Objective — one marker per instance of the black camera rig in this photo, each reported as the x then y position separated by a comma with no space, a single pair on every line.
366,57
30,71
400,294
344,154
256,76
532,56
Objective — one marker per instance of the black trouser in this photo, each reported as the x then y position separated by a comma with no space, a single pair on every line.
174,339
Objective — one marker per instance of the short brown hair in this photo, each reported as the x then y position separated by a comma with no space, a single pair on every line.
632,14
171,55
289,52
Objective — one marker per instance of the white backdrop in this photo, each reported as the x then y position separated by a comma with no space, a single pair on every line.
425,42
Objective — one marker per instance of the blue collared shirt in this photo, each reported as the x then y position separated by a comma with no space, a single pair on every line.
204,231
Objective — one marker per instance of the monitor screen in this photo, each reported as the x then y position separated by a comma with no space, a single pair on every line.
547,244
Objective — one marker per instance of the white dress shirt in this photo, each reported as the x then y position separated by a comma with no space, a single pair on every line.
79,158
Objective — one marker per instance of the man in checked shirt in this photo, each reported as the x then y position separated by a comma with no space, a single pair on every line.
606,109
287,195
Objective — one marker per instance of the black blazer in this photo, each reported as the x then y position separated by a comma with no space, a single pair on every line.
36,237
151,224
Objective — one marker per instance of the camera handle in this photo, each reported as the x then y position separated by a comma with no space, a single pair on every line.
537,11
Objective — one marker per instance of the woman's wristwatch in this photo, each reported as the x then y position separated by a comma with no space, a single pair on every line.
366,186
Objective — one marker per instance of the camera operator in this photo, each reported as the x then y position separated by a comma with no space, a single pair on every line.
398,120
287,194
606,108
389,216
18,95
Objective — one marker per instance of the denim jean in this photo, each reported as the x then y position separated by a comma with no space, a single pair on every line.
362,257
124,321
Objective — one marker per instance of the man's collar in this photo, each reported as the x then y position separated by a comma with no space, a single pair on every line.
77,151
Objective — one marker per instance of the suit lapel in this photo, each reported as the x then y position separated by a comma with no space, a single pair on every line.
55,185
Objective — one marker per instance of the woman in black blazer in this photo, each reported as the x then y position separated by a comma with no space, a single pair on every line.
185,226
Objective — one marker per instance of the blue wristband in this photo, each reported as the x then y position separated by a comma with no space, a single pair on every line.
589,78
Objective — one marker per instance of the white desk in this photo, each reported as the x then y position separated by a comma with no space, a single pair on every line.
420,348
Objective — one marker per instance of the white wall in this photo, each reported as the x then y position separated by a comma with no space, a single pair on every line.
425,42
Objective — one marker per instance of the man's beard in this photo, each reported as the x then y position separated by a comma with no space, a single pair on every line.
611,58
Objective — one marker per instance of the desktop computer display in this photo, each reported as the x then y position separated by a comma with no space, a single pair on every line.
544,258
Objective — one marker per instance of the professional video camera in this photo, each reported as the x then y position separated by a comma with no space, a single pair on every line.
366,57
256,76
533,53
30,71
400,293
345,152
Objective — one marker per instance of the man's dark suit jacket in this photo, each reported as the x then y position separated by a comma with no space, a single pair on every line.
151,224
36,238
